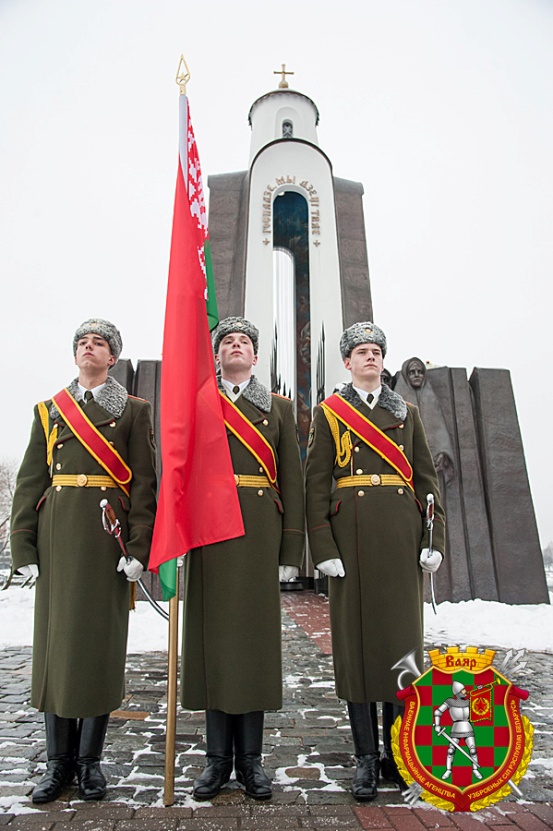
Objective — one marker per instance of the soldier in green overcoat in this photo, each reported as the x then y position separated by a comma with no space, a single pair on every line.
365,492
82,581
231,659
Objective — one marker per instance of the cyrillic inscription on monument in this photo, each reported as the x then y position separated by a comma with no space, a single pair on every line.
311,196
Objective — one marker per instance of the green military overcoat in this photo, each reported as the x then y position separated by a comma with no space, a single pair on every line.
82,602
231,653
376,610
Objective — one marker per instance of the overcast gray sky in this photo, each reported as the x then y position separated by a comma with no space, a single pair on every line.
443,109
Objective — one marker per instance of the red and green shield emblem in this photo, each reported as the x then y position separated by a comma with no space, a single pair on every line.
489,741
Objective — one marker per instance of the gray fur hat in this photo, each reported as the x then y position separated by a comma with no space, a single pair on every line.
106,330
364,332
229,326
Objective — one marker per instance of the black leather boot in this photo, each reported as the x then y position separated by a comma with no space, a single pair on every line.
92,733
388,766
218,767
61,737
364,729
248,744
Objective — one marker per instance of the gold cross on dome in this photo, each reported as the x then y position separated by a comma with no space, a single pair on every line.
283,84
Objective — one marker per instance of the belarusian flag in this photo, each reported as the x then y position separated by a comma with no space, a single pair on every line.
198,502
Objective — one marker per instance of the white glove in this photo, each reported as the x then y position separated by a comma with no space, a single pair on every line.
334,568
287,573
29,571
132,568
430,561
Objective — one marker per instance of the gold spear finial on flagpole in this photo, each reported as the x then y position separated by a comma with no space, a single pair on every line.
183,75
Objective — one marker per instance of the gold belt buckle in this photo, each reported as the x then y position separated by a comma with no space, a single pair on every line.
82,480
375,479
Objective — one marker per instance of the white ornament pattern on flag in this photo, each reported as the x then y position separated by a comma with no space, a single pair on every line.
196,199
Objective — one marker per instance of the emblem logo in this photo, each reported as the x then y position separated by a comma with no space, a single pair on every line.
462,738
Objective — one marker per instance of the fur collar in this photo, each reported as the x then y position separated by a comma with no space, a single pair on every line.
112,398
256,393
388,400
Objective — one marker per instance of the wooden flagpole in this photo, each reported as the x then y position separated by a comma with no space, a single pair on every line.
171,722
182,78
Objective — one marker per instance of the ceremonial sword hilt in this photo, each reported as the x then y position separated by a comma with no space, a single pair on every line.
430,519
430,527
113,526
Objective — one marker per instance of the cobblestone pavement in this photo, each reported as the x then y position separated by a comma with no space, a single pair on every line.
307,747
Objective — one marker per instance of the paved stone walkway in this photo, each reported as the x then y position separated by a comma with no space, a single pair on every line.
308,752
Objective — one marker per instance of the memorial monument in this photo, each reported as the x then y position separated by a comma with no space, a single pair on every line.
289,251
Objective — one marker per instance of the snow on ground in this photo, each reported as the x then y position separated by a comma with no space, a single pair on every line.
477,622
486,623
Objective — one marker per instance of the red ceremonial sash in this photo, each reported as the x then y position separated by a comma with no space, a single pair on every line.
250,437
371,435
92,440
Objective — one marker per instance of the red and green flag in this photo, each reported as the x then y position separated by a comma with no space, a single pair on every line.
198,503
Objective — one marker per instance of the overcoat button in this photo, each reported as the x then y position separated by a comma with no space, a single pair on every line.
58,466
58,488
265,423
356,449
400,491
401,447
401,426
112,424
260,493
360,493
236,479
102,488
82,479
375,479
261,470
359,471
60,446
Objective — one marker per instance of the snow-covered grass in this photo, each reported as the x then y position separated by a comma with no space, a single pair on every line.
478,622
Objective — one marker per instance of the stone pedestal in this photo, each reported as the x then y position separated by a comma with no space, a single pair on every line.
517,556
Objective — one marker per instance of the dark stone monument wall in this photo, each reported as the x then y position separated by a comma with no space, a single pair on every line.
471,488
352,248
468,569
517,554
452,581
228,200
